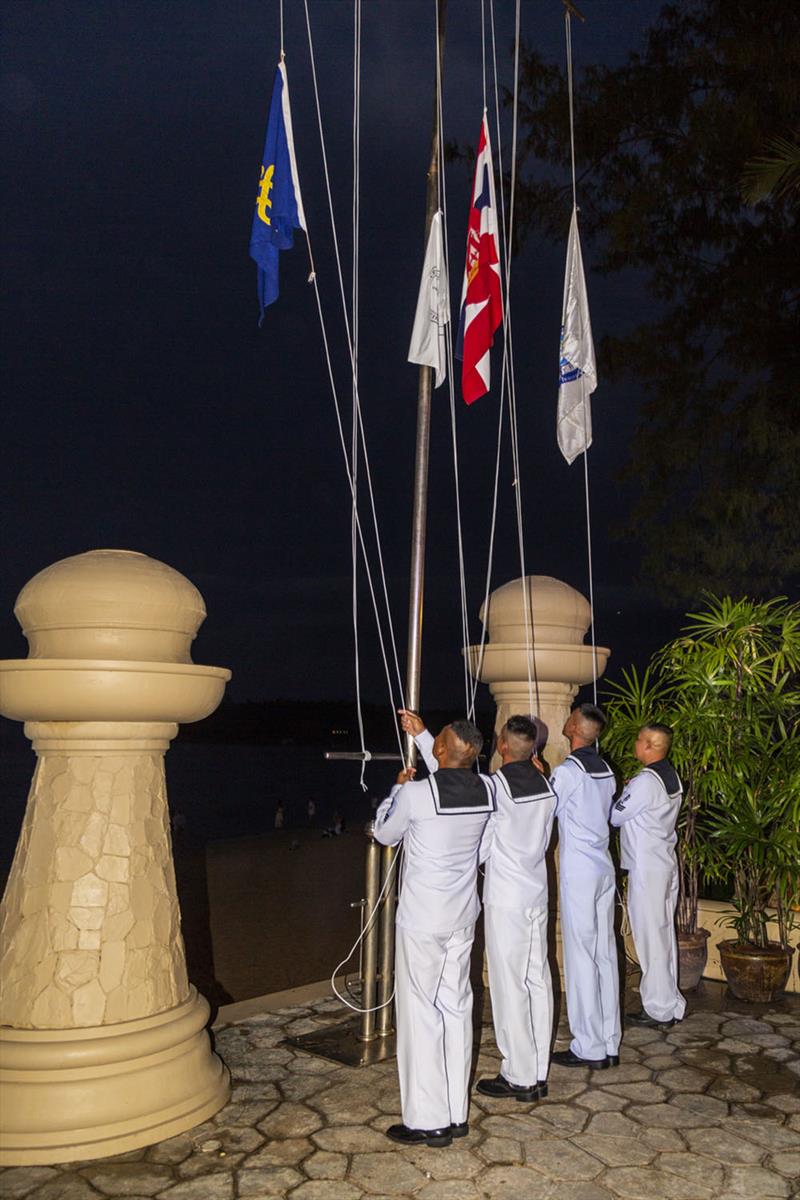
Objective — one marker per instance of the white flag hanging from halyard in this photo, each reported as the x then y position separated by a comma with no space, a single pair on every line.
433,308
577,376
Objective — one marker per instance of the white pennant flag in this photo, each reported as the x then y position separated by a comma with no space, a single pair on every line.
577,376
433,308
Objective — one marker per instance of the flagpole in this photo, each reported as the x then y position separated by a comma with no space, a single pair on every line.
417,572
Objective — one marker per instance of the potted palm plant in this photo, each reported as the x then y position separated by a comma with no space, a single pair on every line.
729,688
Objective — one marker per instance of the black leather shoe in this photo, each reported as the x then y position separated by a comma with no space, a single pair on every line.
565,1058
646,1021
541,1088
612,1060
460,1130
500,1089
419,1137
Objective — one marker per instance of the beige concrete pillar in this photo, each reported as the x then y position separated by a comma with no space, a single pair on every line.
103,1046
558,665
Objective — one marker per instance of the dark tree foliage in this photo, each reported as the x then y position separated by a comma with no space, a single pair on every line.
662,143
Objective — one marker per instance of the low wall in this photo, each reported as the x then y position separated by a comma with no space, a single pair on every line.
713,915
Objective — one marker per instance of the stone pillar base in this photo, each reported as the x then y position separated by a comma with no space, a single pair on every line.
72,1094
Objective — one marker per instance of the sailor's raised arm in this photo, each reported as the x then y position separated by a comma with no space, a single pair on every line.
637,795
394,814
412,723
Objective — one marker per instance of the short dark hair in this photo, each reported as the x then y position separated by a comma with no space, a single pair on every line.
523,727
664,730
467,732
592,713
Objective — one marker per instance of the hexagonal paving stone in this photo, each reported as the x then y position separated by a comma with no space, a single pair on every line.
701,1106
756,1181
612,1125
519,1129
325,1165
351,1139
787,1163
625,1073
601,1101
642,1093
559,1119
501,1150
389,1173
212,1187
457,1163
66,1187
696,1168
561,1160
347,1104
722,1146
127,1179
787,1102
325,1189
281,1153
766,1133
515,1183
300,1087
291,1120
648,1183
685,1079
615,1151
662,1139
726,1087
663,1116
267,1181
449,1189
16,1182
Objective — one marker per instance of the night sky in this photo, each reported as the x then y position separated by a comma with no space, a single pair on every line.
145,409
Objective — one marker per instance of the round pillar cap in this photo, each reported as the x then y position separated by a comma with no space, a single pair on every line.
110,604
561,615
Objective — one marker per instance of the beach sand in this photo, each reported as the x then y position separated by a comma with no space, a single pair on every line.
260,917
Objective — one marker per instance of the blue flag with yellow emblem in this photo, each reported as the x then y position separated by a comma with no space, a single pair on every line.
279,207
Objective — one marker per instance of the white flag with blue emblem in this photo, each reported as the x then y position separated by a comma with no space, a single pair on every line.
433,308
577,376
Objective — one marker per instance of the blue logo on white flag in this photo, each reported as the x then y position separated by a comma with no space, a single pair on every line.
279,208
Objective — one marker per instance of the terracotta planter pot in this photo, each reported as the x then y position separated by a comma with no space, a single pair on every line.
755,973
692,958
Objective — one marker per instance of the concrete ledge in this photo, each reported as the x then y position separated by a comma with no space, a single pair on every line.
242,1010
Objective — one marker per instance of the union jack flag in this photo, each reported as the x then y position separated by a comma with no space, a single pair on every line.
481,296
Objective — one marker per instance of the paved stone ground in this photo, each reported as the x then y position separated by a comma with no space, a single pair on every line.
707,1111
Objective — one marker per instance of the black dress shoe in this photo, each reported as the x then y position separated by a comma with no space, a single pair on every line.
612,1060
566,1058
646,1021
500,1089
541,1088
460,1130
419,1137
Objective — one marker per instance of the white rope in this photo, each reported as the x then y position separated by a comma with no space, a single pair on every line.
355,314
568,35
281,19
508,375
442,204
366,926
362,435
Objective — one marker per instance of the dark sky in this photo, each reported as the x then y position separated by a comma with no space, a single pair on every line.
145,409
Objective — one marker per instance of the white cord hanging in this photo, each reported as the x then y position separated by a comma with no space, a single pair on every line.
367,925
362,437
570,91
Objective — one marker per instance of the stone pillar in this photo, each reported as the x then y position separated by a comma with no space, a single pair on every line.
560,663
103,1046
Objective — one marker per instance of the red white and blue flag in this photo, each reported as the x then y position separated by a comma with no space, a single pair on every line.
481,297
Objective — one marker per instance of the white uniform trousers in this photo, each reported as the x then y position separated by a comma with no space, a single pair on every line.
434,1026
590,964
521,990
652,898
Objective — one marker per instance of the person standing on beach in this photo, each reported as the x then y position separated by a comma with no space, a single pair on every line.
515,908
584,784
279,815
440,821
646,813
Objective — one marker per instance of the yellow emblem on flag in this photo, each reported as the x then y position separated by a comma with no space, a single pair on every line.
263,201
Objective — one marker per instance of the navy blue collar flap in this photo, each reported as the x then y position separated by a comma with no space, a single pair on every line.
524,781
587,758
460,791
668,776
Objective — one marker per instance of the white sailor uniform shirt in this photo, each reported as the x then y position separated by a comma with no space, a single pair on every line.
585,785
647,813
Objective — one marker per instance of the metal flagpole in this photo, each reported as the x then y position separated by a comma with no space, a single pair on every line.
417,573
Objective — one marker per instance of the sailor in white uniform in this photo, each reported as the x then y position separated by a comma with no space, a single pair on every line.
584,785
646,813
515,909
441,821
